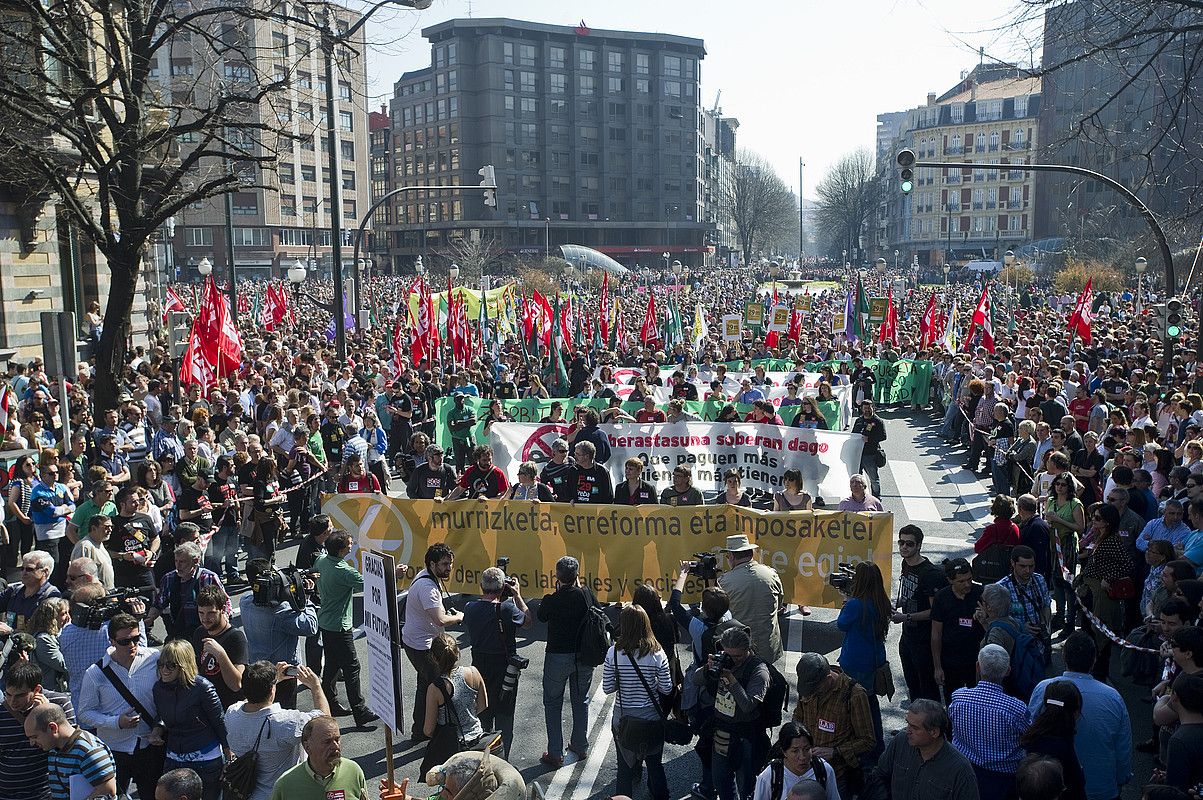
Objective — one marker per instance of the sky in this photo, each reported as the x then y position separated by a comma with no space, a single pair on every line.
805,78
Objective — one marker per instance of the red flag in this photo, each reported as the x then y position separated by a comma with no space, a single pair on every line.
219,340
927,325
795,326
244,303
888,332
172,302
648,332
195,368
567,324
6,407
398,349
603,319
1083,314
543,319
983,317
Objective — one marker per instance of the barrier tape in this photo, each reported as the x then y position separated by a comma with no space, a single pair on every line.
304,483
1095,622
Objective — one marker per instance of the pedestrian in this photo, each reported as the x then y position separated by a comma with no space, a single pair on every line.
22,763
340,777
1184,759
865,620
920,582
791,762
873,433
71,753
179,784
564,612
955,630
987,724
191,722
736,682
920,763
1106,567
756,596
426,617
454,702
835,709
492,623
337,583
274,628
1052,734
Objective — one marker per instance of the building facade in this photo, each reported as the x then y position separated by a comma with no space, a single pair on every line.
594,136
283,214
1100,113
957,214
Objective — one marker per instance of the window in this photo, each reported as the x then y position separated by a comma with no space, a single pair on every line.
981,143
507,52
644,185
527,81
529,105
672,66
530,132
954,145
508,80
308,172
559,160
989,109
452,81
245,204
344,91
618,184
440,84
589,183
616,84
555,57
585,84
585,59
616,109
560,183
349,210
251,237
616,134
643,135
304,80
643,64
588,134
308,205
588,159
440,57
348,179
1021,106
526,55
180,68
288,207
557,106
643,86
347,150
198,237
672,88
995,138
509,102
614,62
558,83
958,113
589,209
345,121
453,108
305,111
287,173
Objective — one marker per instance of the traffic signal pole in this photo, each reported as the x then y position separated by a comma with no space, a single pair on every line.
907,161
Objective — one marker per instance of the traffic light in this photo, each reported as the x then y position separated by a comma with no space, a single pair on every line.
489,184
906,176
1173,317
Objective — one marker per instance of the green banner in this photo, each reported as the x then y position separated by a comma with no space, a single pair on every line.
769,364
904,380
534,410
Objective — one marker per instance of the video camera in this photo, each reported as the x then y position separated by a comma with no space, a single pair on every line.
283,585
105,608
503,563
706,566
841,577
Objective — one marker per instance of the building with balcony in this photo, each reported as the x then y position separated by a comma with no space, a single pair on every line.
594,135
283,214
958,214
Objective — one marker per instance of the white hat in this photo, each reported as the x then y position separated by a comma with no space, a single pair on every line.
739,544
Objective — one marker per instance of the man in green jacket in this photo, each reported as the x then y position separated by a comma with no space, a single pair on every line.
324,773
336,584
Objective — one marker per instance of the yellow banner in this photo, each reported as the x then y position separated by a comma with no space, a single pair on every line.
498,298
619,547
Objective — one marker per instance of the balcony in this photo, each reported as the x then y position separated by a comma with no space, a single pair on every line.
952,179
1015,175
955,151
993,148
1018,146
1014,205
978,206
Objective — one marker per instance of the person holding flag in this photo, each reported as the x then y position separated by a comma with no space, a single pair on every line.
1083,315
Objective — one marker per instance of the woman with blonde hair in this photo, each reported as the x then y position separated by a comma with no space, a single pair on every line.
191,712
45,624
454,703
638,670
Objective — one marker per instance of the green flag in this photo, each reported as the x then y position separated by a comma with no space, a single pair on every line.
861,312
560,372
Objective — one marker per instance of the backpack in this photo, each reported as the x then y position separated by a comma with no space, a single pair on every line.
1027,660
593,638
777,775
992,564
776,699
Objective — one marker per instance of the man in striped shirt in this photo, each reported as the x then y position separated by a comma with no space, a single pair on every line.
71,752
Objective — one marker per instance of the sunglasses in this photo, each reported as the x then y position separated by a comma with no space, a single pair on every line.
127,641
163,665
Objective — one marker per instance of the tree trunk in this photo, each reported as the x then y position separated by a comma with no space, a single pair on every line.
110,353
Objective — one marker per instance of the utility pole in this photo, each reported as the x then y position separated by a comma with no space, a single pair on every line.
801,213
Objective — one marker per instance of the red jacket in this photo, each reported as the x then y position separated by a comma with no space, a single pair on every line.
1001,531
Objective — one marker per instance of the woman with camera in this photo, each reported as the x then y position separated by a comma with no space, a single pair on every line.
637,669
865,619
790,761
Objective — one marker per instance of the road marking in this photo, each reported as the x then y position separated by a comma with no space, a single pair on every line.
561,777
916,497
940,541
599,751
975,498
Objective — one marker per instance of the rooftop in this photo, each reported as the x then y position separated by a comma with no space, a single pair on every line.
521,27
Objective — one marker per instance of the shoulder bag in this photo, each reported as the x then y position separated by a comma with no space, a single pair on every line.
238,776
636,737
152,752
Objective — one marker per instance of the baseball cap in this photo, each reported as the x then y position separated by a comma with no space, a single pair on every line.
812,669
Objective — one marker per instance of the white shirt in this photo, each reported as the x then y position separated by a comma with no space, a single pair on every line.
101,705
425,594
764,783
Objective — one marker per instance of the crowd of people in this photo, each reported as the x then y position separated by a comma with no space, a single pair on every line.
174,508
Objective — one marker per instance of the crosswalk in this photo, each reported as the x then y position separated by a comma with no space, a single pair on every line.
951,504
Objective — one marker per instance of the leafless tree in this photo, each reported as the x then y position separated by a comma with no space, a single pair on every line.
474,254
761,205
124,115
848,194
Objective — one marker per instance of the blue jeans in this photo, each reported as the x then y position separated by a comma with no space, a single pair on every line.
735,771
560,669
1000,477
209,772
950,415
223,550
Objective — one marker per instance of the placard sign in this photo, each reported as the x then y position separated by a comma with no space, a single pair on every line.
380,626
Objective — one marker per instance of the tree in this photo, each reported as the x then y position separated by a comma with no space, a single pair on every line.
848,195
757,200
474,254
86,118
1072,278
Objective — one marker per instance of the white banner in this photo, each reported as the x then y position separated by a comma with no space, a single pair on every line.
761,453
774,394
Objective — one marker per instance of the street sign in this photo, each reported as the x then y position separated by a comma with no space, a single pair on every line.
60,348
380,626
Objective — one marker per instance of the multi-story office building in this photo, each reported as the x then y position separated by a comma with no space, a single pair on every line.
958,214
716,167
1099,113
290,219
594,136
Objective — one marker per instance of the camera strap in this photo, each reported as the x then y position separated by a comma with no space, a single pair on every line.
123,690
501,629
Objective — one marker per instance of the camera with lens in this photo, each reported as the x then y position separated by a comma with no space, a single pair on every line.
720,662
509,681
706,566
284,585
507,590
841,577
105,608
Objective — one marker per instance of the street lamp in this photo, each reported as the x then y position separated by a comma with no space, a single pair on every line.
1142,264
419,269
665,256
330,40
946,269
296,276
895,260
454,272
205,267
844,258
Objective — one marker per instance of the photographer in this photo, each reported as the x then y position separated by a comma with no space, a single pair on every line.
865,620
274,627
83,644
564,612
491,623
128,672
737,681
756,596
426,616
311,548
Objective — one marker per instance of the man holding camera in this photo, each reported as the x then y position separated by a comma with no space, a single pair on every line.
274,627
757,596
117,702
492,622
426,617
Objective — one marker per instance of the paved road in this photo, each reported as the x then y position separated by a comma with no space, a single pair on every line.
922,483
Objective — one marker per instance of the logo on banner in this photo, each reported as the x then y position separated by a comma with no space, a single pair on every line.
537,447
